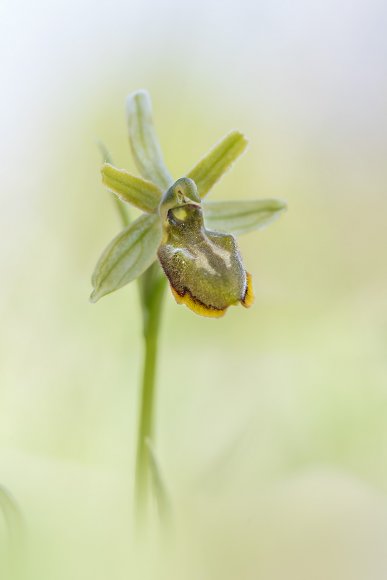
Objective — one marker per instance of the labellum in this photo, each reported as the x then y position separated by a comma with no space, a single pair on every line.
204,268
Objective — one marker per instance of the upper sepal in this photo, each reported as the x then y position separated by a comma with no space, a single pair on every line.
143,140
127,256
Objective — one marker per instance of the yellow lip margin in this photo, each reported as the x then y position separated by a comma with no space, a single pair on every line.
196,305
248,299
209,311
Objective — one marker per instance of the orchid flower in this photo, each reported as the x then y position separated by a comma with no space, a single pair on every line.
192,239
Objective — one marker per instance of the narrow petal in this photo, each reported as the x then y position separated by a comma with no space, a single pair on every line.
123,211
145,146
211,168
127,256
139,192
240,217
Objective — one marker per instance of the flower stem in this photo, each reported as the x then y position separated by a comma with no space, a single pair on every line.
152,294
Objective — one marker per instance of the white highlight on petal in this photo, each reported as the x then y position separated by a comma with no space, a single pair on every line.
202,262
223,254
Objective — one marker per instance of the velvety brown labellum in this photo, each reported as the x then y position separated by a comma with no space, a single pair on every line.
204,268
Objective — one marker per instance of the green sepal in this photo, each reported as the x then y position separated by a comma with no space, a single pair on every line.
211,168
145,146
240,217
127,256
130,189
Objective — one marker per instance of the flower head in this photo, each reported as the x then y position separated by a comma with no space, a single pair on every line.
192,240
204,268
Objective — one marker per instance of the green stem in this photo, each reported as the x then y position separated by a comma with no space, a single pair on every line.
153,286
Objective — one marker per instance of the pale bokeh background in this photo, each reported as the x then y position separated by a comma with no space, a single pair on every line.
272,430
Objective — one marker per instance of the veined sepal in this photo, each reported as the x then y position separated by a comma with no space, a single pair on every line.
241,217
143,140
127,256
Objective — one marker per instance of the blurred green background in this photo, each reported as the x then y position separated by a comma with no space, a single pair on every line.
271,422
